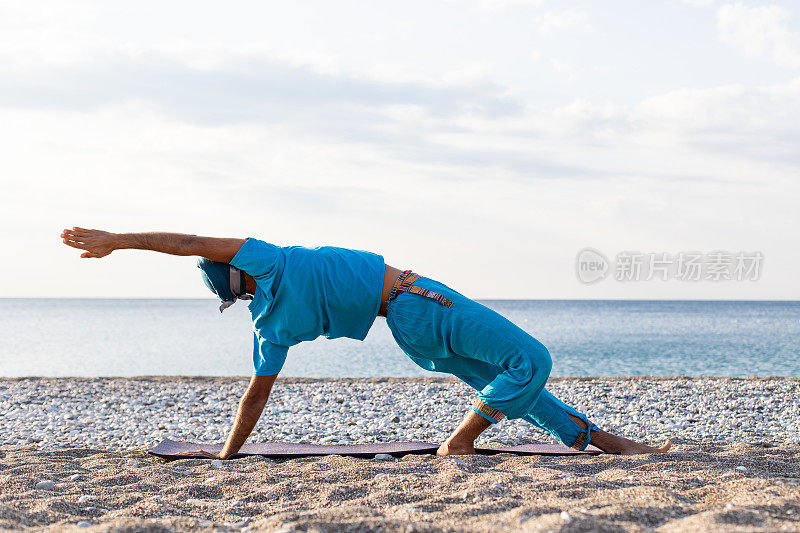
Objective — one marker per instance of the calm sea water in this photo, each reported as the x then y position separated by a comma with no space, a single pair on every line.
74,337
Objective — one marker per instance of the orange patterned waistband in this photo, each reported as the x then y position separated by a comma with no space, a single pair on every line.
403,283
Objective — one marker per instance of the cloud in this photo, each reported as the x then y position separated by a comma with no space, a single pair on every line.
698,3
473,125
498,5
732,122
564,68
241,89
760,32
408,121
554,21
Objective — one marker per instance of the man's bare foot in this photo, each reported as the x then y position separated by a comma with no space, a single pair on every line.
462,441
623,446
610,443
452,448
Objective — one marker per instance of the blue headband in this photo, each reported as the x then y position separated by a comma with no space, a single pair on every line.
224,280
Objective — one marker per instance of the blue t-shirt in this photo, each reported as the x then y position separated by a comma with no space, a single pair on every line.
303,293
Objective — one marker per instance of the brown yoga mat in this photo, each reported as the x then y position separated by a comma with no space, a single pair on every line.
175,449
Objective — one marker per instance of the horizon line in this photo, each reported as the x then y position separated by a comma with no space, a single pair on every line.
492,299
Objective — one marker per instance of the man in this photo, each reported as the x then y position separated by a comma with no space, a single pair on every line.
298,294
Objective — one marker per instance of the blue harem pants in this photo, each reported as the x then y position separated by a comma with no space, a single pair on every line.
506,365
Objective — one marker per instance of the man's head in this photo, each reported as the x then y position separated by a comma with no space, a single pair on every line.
224,280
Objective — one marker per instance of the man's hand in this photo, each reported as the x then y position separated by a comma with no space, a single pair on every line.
97,243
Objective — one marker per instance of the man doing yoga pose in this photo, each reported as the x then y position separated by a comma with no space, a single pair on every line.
297,294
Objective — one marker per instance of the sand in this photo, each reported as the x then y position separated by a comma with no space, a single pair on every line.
736,488
751,485
720,488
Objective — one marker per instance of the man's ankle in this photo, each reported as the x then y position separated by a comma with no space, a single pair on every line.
578,421
459,442
449,448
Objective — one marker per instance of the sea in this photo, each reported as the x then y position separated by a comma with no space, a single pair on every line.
138,337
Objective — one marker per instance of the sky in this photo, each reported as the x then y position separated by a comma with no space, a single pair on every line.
484,143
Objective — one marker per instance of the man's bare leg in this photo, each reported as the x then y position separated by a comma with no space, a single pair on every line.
619,445
462,441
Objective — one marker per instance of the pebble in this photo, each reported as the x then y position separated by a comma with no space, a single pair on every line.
383,457
84,523
74,477
45,485
216,463
566,517
742,468
136,412
86,498
498,486
132,462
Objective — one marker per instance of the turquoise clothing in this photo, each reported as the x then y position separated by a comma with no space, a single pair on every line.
303,293
506,365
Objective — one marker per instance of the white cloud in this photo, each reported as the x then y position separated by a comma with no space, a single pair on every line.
215,56
756,126
557,20
698,3
48,32
760,31
564,68
495,5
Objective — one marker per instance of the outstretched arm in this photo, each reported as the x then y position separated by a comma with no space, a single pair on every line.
99,243
250,408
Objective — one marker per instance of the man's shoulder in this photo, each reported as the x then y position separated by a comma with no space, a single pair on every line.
327,257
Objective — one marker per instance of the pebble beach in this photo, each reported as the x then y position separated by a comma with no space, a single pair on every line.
73,456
